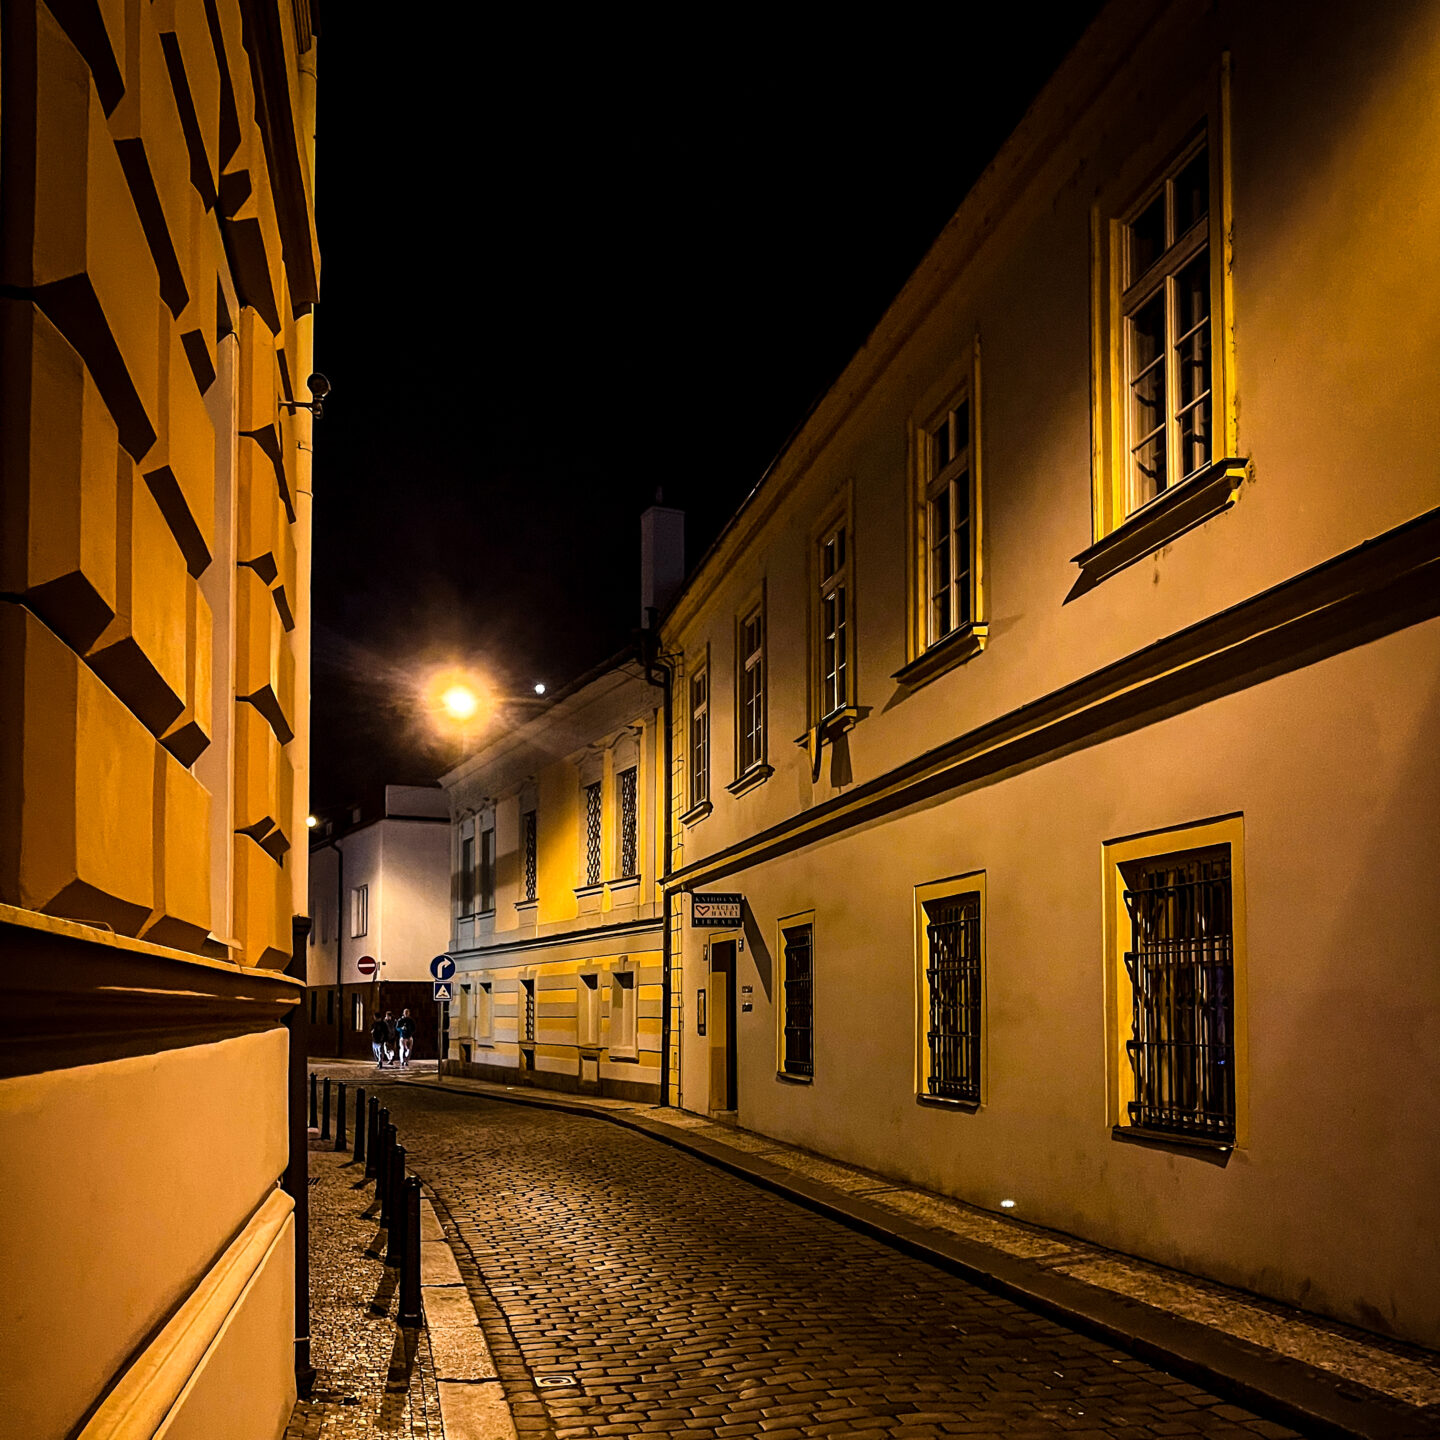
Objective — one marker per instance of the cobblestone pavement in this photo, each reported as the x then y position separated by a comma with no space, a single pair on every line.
366,1384
685,1302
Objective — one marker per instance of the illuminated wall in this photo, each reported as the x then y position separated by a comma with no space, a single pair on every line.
558,940
1250,654
159,265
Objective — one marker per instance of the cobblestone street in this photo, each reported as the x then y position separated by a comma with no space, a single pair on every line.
680,1300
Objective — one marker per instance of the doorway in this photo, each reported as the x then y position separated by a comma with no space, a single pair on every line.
722,1027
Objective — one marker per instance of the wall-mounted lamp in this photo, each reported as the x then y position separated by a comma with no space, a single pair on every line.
319,387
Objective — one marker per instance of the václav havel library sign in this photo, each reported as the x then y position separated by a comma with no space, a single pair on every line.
719,908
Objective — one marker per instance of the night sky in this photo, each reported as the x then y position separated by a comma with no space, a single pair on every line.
564,267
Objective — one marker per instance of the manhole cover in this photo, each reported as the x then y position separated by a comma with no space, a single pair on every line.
554,1382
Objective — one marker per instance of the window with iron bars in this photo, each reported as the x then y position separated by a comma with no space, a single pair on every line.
527,1034
532,856
1181,965
798,1048
629,820
592,834
953,978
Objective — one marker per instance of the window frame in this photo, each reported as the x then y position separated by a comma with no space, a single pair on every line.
1120,858
587,1009
752,720
485,868
929,654
359,911
972,883
1123,532
698,738
467,876
592,833
793,1073
483,1012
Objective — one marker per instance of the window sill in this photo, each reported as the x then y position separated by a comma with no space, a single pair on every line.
625,891
1164,519
955,649
525,908
946,1102
835,724
626,1054
785,1077
754,777
696,813
1217,1150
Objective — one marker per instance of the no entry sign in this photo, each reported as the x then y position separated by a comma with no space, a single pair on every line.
367,965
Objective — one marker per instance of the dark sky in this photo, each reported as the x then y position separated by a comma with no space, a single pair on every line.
564,266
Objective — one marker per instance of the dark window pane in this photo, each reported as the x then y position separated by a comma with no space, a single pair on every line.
1192,193
1147,238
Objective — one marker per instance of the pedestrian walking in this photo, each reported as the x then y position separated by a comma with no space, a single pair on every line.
405,1029
392,1040
377,1042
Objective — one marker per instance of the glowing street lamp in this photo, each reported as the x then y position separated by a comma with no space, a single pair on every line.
460,702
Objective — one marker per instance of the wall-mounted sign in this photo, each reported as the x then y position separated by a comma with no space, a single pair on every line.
366,965
717,908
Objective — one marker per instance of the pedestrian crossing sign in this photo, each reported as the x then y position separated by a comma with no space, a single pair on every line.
444,990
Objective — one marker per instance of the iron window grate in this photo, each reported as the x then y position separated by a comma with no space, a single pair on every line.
953,975
1181,968
629,827
532,866
529,988
592,834
799,1049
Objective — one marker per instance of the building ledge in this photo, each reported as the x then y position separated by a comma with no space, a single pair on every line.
754,777
696,813
1156,524
955,649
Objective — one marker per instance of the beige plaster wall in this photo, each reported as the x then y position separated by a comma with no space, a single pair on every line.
136,1175
1335,771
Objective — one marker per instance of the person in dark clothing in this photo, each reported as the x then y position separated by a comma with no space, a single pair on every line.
392,1041
377,1042
405,1029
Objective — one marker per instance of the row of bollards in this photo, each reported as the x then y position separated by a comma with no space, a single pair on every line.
398,1195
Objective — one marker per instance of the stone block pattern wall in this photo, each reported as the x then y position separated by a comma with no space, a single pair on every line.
153,306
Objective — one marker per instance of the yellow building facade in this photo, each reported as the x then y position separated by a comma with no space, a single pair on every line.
556,840
160,266
1062,705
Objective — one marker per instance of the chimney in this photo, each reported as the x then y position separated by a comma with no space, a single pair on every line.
662,560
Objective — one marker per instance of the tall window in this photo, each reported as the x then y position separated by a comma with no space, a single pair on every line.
750,692
592,834
1167,342
952,989
588,1011
484,1021
797,1051
700,736
834,622
467,876
527,1013
529,837
487,871
629,786
1181,967
359,910
949,534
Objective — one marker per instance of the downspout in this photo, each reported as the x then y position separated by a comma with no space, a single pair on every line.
339,949
657,664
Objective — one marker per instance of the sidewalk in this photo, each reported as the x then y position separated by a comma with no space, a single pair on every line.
373,1377
1319,1376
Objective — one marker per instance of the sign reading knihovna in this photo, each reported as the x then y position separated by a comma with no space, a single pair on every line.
717,908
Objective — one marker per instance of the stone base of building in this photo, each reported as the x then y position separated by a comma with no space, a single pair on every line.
552,1080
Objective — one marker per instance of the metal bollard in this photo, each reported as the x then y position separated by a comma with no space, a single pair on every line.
314,1115
388,1146
359,1125
410,1258
395,1250
325,1110
340,1118
372,1137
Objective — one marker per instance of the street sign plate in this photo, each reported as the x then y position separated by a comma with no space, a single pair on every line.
717,908
443,991
367,965
442,967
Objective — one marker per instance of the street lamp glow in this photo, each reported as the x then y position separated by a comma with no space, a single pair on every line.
539,688
311,822
460,702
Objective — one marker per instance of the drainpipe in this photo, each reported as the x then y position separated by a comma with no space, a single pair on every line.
659,665
339,948
297,1170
